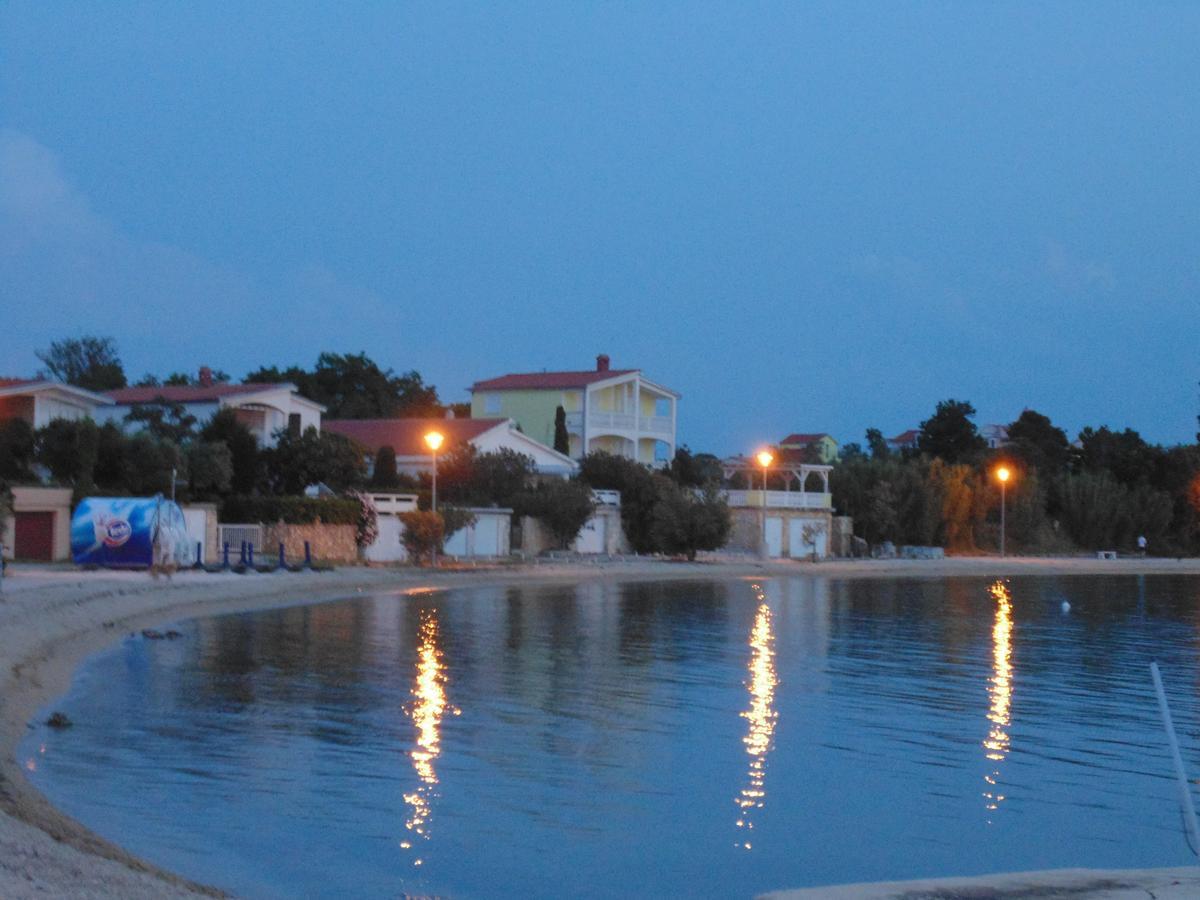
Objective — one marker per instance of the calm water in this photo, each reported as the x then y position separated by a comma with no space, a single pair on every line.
707,738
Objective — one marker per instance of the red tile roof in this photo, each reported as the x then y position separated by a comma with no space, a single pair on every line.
533,381
407,436
905,437
188,393
802,438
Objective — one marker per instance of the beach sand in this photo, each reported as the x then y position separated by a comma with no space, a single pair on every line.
51,618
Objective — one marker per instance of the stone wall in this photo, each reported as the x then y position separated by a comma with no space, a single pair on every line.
329,543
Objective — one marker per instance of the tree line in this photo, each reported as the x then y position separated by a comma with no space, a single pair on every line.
1102,491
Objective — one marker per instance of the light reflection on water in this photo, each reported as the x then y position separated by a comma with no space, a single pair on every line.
1000,689
320,751
761,715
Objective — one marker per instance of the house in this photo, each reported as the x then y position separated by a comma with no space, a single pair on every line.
995,435
263,408
905,440
39,401
407,438
616,410
820,447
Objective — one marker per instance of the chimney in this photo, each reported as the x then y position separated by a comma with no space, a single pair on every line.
206,379
602,362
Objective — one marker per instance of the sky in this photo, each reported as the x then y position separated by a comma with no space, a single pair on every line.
801,216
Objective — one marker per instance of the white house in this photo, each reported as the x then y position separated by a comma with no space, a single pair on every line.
620,411
407,438
263,408
40,401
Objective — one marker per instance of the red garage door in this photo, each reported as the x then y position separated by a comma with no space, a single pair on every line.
34,538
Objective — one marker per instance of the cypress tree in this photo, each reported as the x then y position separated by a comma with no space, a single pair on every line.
562,440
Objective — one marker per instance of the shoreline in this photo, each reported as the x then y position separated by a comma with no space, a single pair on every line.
52,618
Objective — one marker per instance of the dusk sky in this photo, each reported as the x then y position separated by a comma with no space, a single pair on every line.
803,217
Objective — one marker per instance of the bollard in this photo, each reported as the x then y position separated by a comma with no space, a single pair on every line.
250,555
199,556
242,557
225,555
307,555
282,557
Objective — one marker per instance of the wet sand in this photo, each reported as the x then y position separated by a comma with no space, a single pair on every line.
51,618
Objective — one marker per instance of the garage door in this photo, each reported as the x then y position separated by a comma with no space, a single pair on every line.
34,535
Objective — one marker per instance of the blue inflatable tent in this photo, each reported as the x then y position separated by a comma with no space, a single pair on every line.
129,532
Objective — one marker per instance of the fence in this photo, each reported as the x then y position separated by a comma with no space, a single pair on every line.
236,535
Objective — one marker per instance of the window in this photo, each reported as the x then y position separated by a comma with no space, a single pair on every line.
491,404
294,424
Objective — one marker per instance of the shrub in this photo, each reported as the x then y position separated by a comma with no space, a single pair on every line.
686,521
366,524
562,506
424,534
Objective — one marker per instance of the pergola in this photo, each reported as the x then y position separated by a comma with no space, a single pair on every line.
793,470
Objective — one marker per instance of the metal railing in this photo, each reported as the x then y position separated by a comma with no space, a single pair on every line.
235,535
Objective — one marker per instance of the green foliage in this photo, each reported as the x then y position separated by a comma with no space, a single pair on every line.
163,419
1033,439
290,510
563,507
1123,454
6,506
112,459
685,522
950,434
17,448
384,476
148,464
1101,513
562,438
87,362
694,470
424,534
353,386
877,444
70,449
639,493
471,478
210,470
245,458
455,519
314,457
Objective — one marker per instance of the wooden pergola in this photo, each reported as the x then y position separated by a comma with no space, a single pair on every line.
792,470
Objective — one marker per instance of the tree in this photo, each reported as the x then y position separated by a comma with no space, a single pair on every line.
606,471
163,419
69,449
563,507
1034,439
113,464
353,386
314,457
694,470
210,469
424,534
562,440
877,444
686,522
149,462
484,479
225,428
384,475
950,434
17,447
87,362
1124,454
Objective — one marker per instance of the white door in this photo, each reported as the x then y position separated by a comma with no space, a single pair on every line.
773,534
196,521
799,546
487,532
591,537
387,546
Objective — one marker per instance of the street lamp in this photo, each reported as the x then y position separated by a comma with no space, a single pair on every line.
1003,474
765,458
433,440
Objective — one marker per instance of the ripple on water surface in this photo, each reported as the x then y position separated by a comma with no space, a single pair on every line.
714,738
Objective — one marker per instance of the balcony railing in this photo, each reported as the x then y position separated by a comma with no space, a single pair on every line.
780,499
624,421
656,424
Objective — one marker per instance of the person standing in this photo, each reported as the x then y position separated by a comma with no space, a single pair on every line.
1141,545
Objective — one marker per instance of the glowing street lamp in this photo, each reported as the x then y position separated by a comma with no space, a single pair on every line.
433,440
1002,474
764,457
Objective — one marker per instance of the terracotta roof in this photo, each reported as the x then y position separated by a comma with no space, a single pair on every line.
190,393
905,437
803,438
548,380
407,436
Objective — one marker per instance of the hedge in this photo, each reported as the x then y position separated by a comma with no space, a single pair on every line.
291,510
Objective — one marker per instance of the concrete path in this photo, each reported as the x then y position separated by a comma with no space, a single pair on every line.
1069,884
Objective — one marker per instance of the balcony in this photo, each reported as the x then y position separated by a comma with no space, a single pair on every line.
780,499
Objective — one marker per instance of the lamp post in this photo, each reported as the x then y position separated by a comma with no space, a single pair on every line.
1003,474
433,440
765,458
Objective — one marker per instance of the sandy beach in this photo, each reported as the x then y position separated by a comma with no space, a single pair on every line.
52,618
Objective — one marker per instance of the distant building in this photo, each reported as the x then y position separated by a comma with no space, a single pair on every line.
263,408
995,435
823,446
407,438
905,440
616,410
40,401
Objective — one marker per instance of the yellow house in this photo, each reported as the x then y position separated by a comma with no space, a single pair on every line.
826,448
616,410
